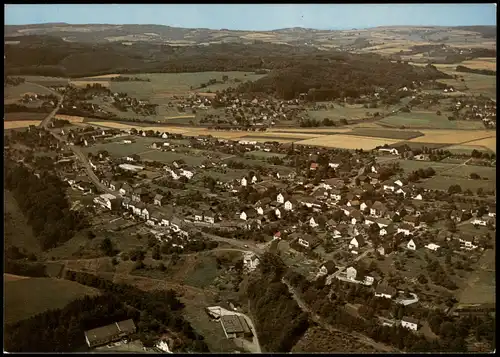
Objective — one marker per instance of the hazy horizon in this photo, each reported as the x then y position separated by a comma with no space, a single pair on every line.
256,17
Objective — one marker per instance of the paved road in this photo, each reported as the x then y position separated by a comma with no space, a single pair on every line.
317,319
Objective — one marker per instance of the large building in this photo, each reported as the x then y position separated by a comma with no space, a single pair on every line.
110,333
235,326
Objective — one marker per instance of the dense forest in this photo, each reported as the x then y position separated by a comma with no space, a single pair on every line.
279,320
161,311
294,69
342,76
43,202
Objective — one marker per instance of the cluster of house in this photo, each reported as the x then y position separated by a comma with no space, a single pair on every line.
485,111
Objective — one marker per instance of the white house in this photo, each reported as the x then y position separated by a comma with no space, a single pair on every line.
400,191
259,210
198,217
409,323
432,246
479,221
288,205
399,183
405,229
385,291
312,222
356,242
280,198
277,212
389,187
303,242
333,165
243,215
254,179
244,181
418,197
363,206
392,151
164,136
105,200
411,245
351,273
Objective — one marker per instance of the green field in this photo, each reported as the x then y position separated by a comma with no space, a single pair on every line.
165,84
264,154
203,273
467,149
443,183
464,171
476,83
30,296
413,165
349,112
169,157
118,149
47,81
429,120
17,92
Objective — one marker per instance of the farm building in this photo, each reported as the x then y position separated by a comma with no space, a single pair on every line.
235,326
106,334
129,167
107,200
409,323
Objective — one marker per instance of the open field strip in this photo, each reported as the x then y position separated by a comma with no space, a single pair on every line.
481,63
348,142
489,143
308,130
20,124
452,136
70,118
81,84
104,76
27,297
182,117
12,277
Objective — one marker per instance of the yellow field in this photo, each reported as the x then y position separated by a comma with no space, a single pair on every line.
481,63
182,117
348,142
70,118
81,84
12,277
489,143
20,124
263,140
104,76
452,136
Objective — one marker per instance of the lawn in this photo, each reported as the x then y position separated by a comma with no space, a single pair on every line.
427,119
202,273
27,297
344,141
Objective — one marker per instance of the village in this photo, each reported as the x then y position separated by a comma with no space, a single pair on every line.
332,207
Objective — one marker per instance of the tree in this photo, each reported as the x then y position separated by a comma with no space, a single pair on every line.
107,247
451,226
454,189
475,176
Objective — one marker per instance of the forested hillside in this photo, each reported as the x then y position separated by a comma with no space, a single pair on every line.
279,320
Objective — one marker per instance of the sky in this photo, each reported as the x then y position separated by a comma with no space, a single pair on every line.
256,17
